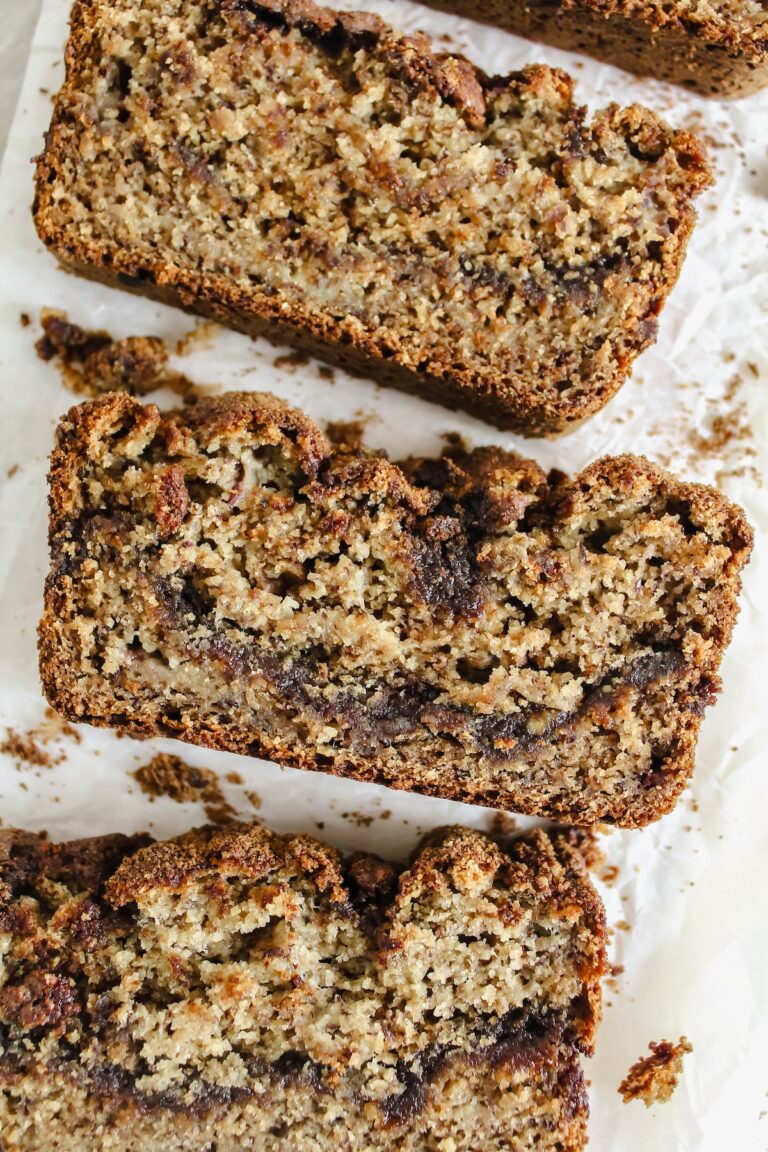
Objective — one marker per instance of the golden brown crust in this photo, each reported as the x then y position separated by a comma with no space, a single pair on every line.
213,419
249,851
534,401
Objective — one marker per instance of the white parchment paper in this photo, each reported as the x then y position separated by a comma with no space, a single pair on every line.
688,904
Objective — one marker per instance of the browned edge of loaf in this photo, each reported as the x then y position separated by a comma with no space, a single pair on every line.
697,55
86,422
335,340
544,866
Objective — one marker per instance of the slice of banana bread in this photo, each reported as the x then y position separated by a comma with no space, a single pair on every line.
716,47
464,627
240,991
322,179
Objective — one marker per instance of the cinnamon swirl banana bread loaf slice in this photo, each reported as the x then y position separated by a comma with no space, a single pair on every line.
249,992
466,627
327,181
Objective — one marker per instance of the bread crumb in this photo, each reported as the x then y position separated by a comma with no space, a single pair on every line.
501,826
291,360
723,430
92,362
200,335
30,749
611,980
170,776
360,819
26,750
726,439
53,727
653,1078
219,812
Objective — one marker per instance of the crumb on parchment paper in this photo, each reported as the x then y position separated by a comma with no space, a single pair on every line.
291,360
92,362
724,436
653,1078
32,749
201,336
454,444
170,776
359,819
351,433
25,749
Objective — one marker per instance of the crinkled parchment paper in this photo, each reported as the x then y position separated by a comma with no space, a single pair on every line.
688,903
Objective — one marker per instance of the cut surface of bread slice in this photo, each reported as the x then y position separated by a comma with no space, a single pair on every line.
325,180
465,627
250,992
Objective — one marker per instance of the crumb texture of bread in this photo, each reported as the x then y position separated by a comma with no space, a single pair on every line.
465,627
653,1079
322,179
714,47
260,993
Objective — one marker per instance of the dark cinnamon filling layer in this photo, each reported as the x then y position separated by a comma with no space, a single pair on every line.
522,1041
384,712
